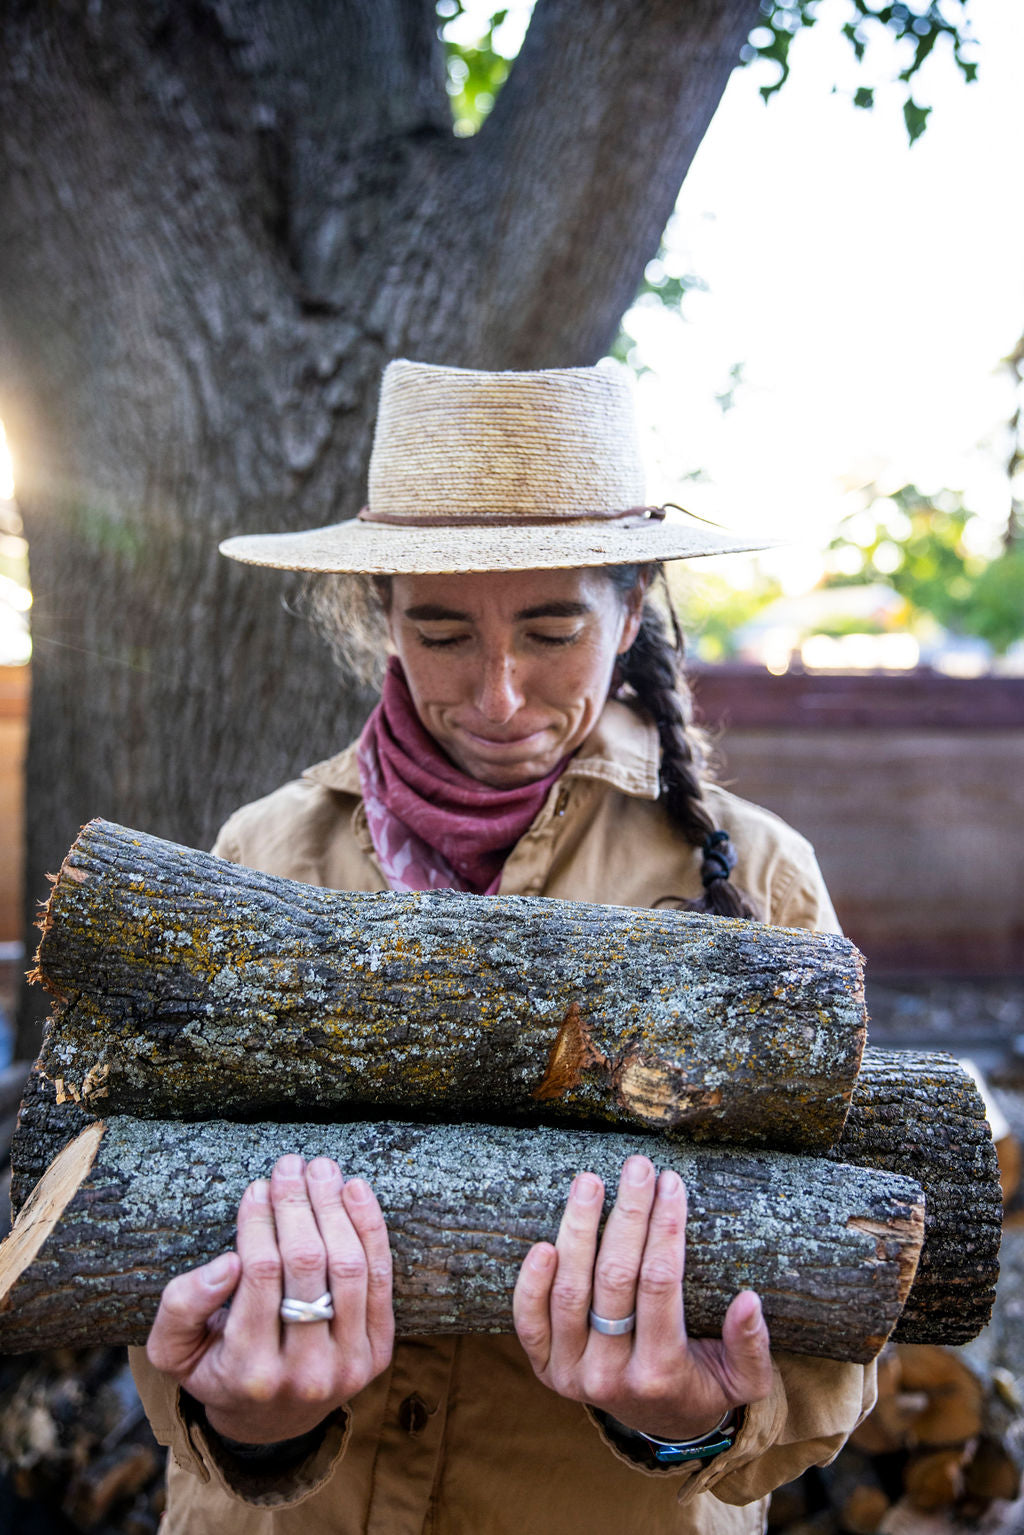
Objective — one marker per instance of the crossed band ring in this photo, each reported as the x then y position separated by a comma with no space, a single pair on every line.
321,1310
611,1329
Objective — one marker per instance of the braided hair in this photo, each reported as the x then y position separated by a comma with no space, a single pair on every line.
652,667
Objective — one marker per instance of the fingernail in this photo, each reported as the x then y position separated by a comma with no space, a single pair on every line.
754,1319
290,1166
359,1190
321,1168
216,1272
259,1192
540,1258
586,1188
669,1183
637,1171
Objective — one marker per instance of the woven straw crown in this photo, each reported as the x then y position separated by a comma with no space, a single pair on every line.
494,471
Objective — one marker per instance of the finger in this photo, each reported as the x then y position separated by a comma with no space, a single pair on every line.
746,1350
303,1277
303,1259
189,1315
617,1270
367,1219
531,1304
576,1247
660,1321
253,1328
343,1251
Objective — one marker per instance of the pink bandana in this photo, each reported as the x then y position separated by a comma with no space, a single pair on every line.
433,827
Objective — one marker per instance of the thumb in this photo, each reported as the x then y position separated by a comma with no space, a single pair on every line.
182,1330
747,1349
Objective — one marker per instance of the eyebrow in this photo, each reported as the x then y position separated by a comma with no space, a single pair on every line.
431,612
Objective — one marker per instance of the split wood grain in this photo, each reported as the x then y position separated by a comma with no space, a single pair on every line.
187,986
831,1249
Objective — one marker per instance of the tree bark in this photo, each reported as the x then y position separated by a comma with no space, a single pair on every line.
220,221
190,987
831,1250
939,1136
921,1114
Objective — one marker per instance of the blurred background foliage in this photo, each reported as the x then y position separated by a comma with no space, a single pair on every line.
919,562
481,42
922,546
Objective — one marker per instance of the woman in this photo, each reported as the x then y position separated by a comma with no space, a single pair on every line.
531,737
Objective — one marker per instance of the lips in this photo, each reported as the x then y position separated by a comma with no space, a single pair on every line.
501,743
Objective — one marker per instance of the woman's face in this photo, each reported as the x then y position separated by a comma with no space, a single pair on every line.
509,670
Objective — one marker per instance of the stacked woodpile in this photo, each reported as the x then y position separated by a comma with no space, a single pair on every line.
77,1450
185,987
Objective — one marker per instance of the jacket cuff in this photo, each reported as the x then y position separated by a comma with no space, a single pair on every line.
760,1425
268,1484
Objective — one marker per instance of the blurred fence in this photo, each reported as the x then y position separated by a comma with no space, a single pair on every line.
910,786
14,694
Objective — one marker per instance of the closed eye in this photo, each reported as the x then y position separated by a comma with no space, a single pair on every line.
441,642
557,639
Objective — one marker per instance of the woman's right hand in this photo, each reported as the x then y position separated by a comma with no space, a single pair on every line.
261,1379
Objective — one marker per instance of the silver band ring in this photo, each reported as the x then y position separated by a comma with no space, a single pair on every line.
611,1329
321,1310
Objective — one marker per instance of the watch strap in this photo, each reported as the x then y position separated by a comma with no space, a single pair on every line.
674,1452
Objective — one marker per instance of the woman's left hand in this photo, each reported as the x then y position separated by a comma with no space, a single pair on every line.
654,1378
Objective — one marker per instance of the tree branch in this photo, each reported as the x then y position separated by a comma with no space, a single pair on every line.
589,101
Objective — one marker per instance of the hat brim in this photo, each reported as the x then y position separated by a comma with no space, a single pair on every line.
376,549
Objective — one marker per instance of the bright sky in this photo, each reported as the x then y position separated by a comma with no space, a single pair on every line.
868,288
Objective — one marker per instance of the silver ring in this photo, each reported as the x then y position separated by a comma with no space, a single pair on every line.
611,1329
321,1310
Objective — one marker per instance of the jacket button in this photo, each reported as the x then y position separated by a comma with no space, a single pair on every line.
413,1414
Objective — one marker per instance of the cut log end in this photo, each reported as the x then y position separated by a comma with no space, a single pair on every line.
900,1238
45,1206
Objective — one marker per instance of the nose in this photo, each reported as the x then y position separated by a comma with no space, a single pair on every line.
499,694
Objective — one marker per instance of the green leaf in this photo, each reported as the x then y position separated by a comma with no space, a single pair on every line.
916,118
864,97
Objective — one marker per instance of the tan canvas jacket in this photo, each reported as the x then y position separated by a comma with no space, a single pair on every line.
458,1437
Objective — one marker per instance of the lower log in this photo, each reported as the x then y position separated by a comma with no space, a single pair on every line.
914,1113
830,1249
921,1114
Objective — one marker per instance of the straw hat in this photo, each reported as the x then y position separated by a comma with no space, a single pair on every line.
498,471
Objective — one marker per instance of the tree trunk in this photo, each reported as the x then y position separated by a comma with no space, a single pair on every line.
191,987
831,1250
220,221
921,1114
940,1140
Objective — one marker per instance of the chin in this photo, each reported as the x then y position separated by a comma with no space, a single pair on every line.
511,776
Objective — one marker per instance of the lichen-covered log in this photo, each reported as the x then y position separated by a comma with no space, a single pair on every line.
913,1112
831,1249
921,1114
187,986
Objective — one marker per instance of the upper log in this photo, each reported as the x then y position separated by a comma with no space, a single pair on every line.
187,986
830,1249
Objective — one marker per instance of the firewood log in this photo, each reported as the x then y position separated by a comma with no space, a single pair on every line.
921,1114
830,1249
912,1113
188,987
953,1395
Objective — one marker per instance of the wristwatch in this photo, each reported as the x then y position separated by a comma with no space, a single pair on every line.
677,1452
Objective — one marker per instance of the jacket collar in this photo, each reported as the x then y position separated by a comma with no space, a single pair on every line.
621,750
